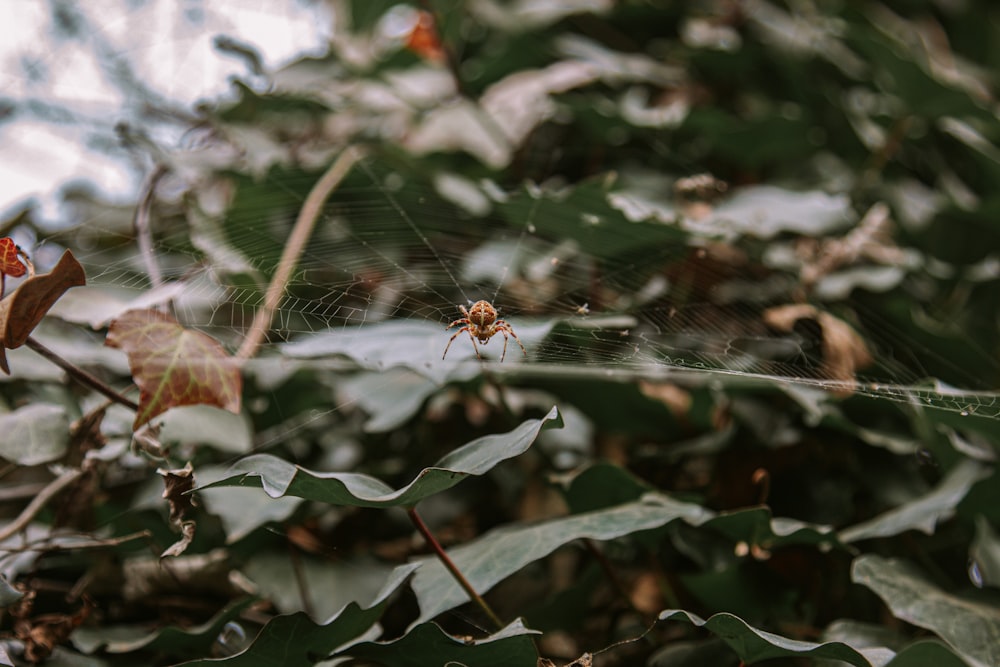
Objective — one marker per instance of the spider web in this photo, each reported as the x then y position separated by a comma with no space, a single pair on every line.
599,280
390,261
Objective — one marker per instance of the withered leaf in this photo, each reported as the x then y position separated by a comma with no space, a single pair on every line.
844,351
21,312
176,485
174,366
41,634
10,264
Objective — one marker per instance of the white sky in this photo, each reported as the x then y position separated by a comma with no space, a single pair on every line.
168,43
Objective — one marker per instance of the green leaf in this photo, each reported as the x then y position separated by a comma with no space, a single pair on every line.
207,425
927,653
295,640
970,628
428,644
753,645
8,594
329,585
36,433
391,397
280,478
437,591
985,553
170,640
241,510
417,346
585,214
923,513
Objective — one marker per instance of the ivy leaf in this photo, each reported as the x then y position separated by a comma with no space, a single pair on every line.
753,645
280,478
437,591
428,644
174,366
971,628
36,433
295,640
21,312
925,512
171,640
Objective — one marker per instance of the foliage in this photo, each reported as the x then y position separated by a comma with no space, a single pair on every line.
749,248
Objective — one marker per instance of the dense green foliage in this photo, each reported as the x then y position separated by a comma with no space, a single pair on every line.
774,434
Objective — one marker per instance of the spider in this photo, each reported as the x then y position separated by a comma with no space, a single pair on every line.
481,321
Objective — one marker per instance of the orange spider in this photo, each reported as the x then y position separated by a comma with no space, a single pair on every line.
481,322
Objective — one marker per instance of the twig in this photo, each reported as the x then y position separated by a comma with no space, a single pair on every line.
36,505
452,568
304,224
143,232
96,543
80,375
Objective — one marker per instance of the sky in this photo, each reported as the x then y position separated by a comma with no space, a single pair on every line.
49,66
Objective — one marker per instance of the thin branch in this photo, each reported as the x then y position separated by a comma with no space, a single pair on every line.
452,568
36,505
143,231
304,224
95,543
80,375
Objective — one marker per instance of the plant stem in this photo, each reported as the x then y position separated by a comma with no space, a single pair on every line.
304,224
80,375
452,568
143,231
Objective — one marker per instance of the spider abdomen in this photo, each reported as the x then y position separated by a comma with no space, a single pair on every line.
482,314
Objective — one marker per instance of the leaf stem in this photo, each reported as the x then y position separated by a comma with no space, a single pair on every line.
80,375
301,231
452,568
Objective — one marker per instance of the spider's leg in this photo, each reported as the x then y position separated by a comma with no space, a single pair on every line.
518,341
504,353
474,346
507,327
452,339
456,322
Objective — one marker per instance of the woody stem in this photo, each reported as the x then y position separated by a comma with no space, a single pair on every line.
452,568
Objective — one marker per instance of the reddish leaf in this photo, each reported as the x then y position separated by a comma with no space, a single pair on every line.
21,312
174,366
10,263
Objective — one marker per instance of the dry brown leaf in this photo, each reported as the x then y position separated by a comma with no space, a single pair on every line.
176,485
844,351
21,312
677,400
41,634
